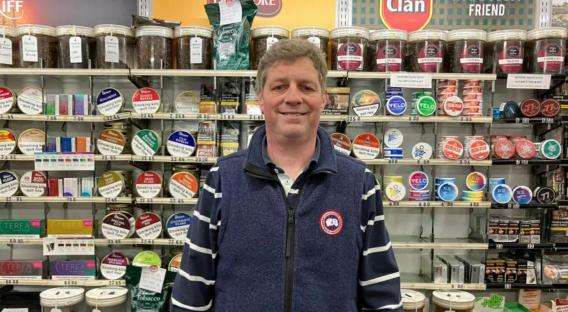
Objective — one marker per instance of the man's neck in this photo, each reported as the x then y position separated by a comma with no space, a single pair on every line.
291,156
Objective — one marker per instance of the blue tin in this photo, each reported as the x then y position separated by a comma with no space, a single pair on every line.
447,192
502,194
396,105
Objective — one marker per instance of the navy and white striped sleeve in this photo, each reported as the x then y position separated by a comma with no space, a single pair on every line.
194,287
379,278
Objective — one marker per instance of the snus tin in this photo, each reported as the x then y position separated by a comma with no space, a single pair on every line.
365,103
7,142
147,258
111,184
530,108
395,191
148,184
146,142
396,105
113,265
447,192
476,181
522,195
418,180
453,106
31,141
422,150
550,149
8,183
181,144
111,142
183,185
545,195
502,194
366,146
6,100
393,138
30,101
146,100
178,225
109,102
33,183
175,263
426,106
341,143
116,225
149,225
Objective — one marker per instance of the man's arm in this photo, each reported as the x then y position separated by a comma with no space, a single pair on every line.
379,278
194,286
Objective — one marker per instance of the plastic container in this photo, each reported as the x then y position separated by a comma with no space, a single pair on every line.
546,50
62,298
263,38
427,49
76,46
318,36
386,50
9,47
107,299
412,301
466,48
38,46
458,301
349,48
194,47
154,47
505,51
115,46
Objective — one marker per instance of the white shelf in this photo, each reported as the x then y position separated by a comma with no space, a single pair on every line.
175,159
453,246
53,199
428,162
432,286
140,241
436,204
63,72
69,282
166,201
21,157
97,118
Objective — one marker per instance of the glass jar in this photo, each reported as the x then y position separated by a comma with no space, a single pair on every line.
115,46
386,50
456,300
506,51
318,36
76,46
263,38
412,301
154,47
466,48
427,51
349,48
194,47
38,46
546,50
9,47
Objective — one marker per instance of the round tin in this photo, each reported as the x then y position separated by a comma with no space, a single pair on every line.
109,102
493,182
447,192
146,142
421,150
502,194
412,300
8,183
183,185
419,195
62,297
148,225
111,142
146,100
31,141
113,265
478,150
393,138
530,108
33,183
550,149
453,106
396,105
418,180
341,143
6,100
545,195
30,101
175,263
510,109
549,108
476,181
187,102
116,225
426,106
181,144
111,184
504,149
452,148
106,297
366,146
389,179
525,149
148,184
453,300
178,225
522,195
7,142
365,103
395,191
147,258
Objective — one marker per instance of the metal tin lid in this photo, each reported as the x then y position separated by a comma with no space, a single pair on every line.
418,180
33,183
395,191
550,108
393,138
396,105
178,225
269,31
547,33
175,263
183,31
7,98
389,34
502,194
7,31
530,107
149,225
113,30
467,34
366,146
412,300
7,141
105,297
61,296
431,34
479,149
187,102
146,100
111,184
453,106
111,142
504,149
308,31
8,183
116,225
426,105
452,149
353,31
72,30
507,34
30,101
422,150
522,195
525,149
147,258
447,191
181,144
341,143
148,184
476,181
157,31
545,195
365,102
31,141
113,265
109,101
146,142
454,299
183,185
550,149
32,29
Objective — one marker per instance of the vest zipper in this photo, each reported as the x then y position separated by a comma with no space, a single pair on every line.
290,239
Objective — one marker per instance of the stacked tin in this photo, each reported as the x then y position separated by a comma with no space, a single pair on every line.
449,147
446,89
476,183
423,104
394,189
446,189
473,98
393,139
395,103
418,182
476,148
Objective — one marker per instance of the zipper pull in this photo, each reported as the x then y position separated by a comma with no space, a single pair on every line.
290,216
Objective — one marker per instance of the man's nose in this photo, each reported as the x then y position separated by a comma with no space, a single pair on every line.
293,95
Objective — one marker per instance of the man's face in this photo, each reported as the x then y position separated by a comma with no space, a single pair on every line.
292,99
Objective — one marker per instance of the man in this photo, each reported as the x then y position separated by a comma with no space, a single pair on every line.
288,224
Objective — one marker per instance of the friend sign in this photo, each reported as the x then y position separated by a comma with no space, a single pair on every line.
409,15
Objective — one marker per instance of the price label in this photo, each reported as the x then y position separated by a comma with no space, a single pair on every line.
202,159
530,246
423,161
7,117
111,200
202,116
507,286
70,283
447,204
465,162
424,204
352,118
176,116
513,206
465,119
256,117
498,246
411,80
108,157
15,241
414,118
177,201
474,204
393,161
528,81
14,199
394,204
115,283
522,162
8,157
146,241
11,282
227,117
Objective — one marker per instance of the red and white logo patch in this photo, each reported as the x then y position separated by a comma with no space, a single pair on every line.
331,222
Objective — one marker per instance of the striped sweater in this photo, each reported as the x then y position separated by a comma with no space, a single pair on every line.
322,247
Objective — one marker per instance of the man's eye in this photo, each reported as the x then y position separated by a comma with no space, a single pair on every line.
278,88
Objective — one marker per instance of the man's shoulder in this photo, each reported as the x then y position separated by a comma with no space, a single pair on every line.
232,159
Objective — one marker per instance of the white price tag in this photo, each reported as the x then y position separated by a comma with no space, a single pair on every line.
111,49
231,12
528,81
15,310
152,278
64,162
196,50
29,48
5,51
75,54
411,80
270,41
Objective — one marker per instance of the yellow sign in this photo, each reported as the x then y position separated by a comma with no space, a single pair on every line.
294,13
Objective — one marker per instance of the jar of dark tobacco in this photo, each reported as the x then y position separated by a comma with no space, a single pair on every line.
154,47
193,47
427,51
349,48
38,46
9,51
466,49
263,38
546,49
387,50
507,48
318,36
76,46
115,46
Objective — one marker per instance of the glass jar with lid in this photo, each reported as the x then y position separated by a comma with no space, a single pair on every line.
427,51
38,46
154,47
194,47
263,38
9,47
386,50
507,51
76,46
349,48
546,50
115,46
318,36
466,49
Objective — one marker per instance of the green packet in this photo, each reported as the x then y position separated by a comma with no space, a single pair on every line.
231,41
142,300
21,228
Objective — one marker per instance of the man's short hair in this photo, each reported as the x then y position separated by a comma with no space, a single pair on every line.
291,50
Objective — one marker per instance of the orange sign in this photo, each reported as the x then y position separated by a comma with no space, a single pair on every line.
409,15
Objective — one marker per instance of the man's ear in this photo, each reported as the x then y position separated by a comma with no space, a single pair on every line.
325,99
260,102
